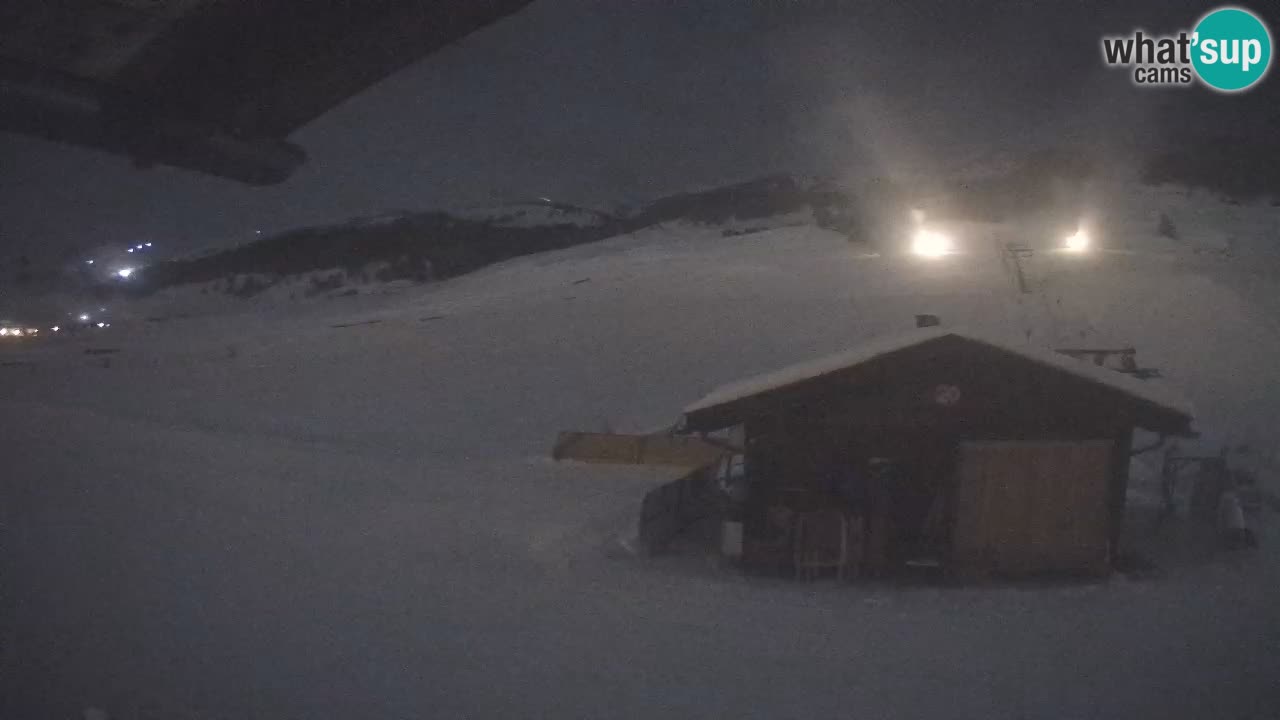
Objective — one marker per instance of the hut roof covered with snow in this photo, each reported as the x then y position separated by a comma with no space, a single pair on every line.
938,373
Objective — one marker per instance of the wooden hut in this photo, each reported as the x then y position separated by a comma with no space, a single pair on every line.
937,448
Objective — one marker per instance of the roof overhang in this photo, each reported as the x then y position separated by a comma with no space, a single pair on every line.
207,85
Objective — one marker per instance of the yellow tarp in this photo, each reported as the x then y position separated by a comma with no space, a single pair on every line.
636,449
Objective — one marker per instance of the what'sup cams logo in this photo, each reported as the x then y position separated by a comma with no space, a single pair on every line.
1229,51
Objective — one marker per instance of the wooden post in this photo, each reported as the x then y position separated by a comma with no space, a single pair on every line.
1119,484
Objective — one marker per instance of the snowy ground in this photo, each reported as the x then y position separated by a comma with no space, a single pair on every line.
264,515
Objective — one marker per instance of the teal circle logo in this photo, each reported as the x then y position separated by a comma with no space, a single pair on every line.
1231,49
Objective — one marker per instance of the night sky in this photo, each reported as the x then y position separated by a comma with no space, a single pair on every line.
617,102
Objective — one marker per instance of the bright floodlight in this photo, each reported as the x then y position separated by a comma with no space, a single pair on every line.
147,244
102,324
55,328
84,317
1079,242
124,272
130,249
928,243
89,262
4,331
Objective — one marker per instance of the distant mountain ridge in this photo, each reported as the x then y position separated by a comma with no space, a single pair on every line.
432,245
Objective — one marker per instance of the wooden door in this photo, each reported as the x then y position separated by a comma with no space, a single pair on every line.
1031,507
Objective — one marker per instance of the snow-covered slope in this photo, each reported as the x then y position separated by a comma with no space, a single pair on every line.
343,508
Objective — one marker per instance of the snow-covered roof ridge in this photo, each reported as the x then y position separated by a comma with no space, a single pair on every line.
1146,390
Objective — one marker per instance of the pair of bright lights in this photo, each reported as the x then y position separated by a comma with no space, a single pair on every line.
930,243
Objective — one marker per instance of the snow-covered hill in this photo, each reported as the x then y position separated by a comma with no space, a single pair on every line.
343,507
380,254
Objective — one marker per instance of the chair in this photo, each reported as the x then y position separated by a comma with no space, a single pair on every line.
822,542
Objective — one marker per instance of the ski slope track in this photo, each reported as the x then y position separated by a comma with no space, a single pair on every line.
343,508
